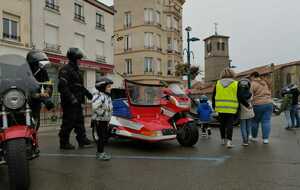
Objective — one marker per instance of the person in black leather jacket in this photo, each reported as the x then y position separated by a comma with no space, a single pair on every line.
72,93
35,61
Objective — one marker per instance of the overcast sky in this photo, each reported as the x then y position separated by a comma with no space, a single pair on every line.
261,31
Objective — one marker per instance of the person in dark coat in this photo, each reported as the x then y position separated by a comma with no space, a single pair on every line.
295,105
36,61
72,93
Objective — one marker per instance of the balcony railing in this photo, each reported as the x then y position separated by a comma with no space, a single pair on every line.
79,17
100,59
11,37
100,26
52,6
159,49
127,49
149,72
149,47
128,25
170,51
54,48
149,22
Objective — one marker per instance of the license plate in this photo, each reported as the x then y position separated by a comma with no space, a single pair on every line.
168,131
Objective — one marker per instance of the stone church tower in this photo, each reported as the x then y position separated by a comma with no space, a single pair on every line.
216,56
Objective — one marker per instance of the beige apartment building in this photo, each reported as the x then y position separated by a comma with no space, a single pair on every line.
14,27
148,42
87,24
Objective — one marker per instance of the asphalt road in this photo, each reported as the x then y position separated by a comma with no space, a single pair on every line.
167,165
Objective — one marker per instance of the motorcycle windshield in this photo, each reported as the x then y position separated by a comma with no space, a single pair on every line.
143,94
176,90
16,73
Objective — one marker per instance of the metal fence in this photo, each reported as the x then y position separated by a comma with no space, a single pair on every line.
53,118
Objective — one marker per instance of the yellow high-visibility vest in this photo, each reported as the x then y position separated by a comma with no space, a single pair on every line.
226,100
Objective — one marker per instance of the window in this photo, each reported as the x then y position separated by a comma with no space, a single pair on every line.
169,43
79,12
288,78
128,63
79,41
219,46
11,27
169,22
148,65
52,4
170,67
158,41
100,48
158,65
149,16
175,45
128,20
175,24
100,54
127,42
100,21
157,18
223,46
208,47
51,38
148,40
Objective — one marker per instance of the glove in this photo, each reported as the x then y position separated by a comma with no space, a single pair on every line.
49,105
89,95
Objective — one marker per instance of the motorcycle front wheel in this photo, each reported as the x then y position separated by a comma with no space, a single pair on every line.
188,135
18,166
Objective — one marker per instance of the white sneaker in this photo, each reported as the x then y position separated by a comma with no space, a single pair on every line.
223,142
245,144
266,141
229,144
254,139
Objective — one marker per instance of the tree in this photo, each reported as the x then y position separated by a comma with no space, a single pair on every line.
182,69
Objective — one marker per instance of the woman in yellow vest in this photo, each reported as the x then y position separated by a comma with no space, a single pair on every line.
226,104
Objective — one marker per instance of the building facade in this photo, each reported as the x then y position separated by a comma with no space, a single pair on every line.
58,25
216,56
148,39
15,27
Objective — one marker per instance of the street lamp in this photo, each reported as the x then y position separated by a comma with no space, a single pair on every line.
189,40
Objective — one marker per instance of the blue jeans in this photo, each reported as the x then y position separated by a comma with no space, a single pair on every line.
263,114
288,118
245,129
295,116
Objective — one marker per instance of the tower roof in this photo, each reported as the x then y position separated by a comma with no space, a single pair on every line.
216,36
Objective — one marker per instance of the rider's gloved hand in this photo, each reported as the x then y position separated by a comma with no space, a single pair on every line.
89,95
49,105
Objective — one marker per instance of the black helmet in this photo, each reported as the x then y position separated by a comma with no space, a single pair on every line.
245,83
34,59
285,91
102,82
74,54
203,99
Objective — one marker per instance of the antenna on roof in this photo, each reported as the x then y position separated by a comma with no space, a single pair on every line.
216,28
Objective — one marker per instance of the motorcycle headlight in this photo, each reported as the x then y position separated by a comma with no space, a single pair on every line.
14,99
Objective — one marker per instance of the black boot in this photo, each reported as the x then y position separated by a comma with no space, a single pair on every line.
84,142
65,143
67,146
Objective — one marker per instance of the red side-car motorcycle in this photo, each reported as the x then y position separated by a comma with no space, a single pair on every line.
140,113
18,140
